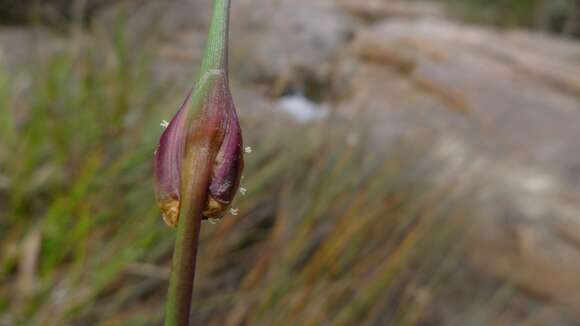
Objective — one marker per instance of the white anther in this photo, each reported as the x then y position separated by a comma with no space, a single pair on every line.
248,150
234,211
164,124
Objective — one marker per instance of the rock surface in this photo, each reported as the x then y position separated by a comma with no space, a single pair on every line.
504,104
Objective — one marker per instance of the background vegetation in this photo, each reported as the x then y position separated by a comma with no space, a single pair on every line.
557,16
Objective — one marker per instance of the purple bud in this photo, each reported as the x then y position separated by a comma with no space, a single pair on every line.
168,162
228,165
228,161
214,132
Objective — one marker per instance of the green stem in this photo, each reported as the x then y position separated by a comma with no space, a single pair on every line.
186,243
216,52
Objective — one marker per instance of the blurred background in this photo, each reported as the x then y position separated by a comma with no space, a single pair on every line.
413,162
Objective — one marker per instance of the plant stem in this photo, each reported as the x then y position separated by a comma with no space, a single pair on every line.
196,171
216,52
186,243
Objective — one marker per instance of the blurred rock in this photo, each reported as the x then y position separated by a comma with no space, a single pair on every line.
520,102
286,44
291,43
527,227
530,235
502,104
379,9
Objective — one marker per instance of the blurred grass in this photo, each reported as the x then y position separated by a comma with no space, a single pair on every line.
327,234
546,15
498,12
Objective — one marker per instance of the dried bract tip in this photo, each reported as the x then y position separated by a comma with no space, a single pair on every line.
170,211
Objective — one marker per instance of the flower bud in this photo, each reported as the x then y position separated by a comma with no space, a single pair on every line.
207,116
227,165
